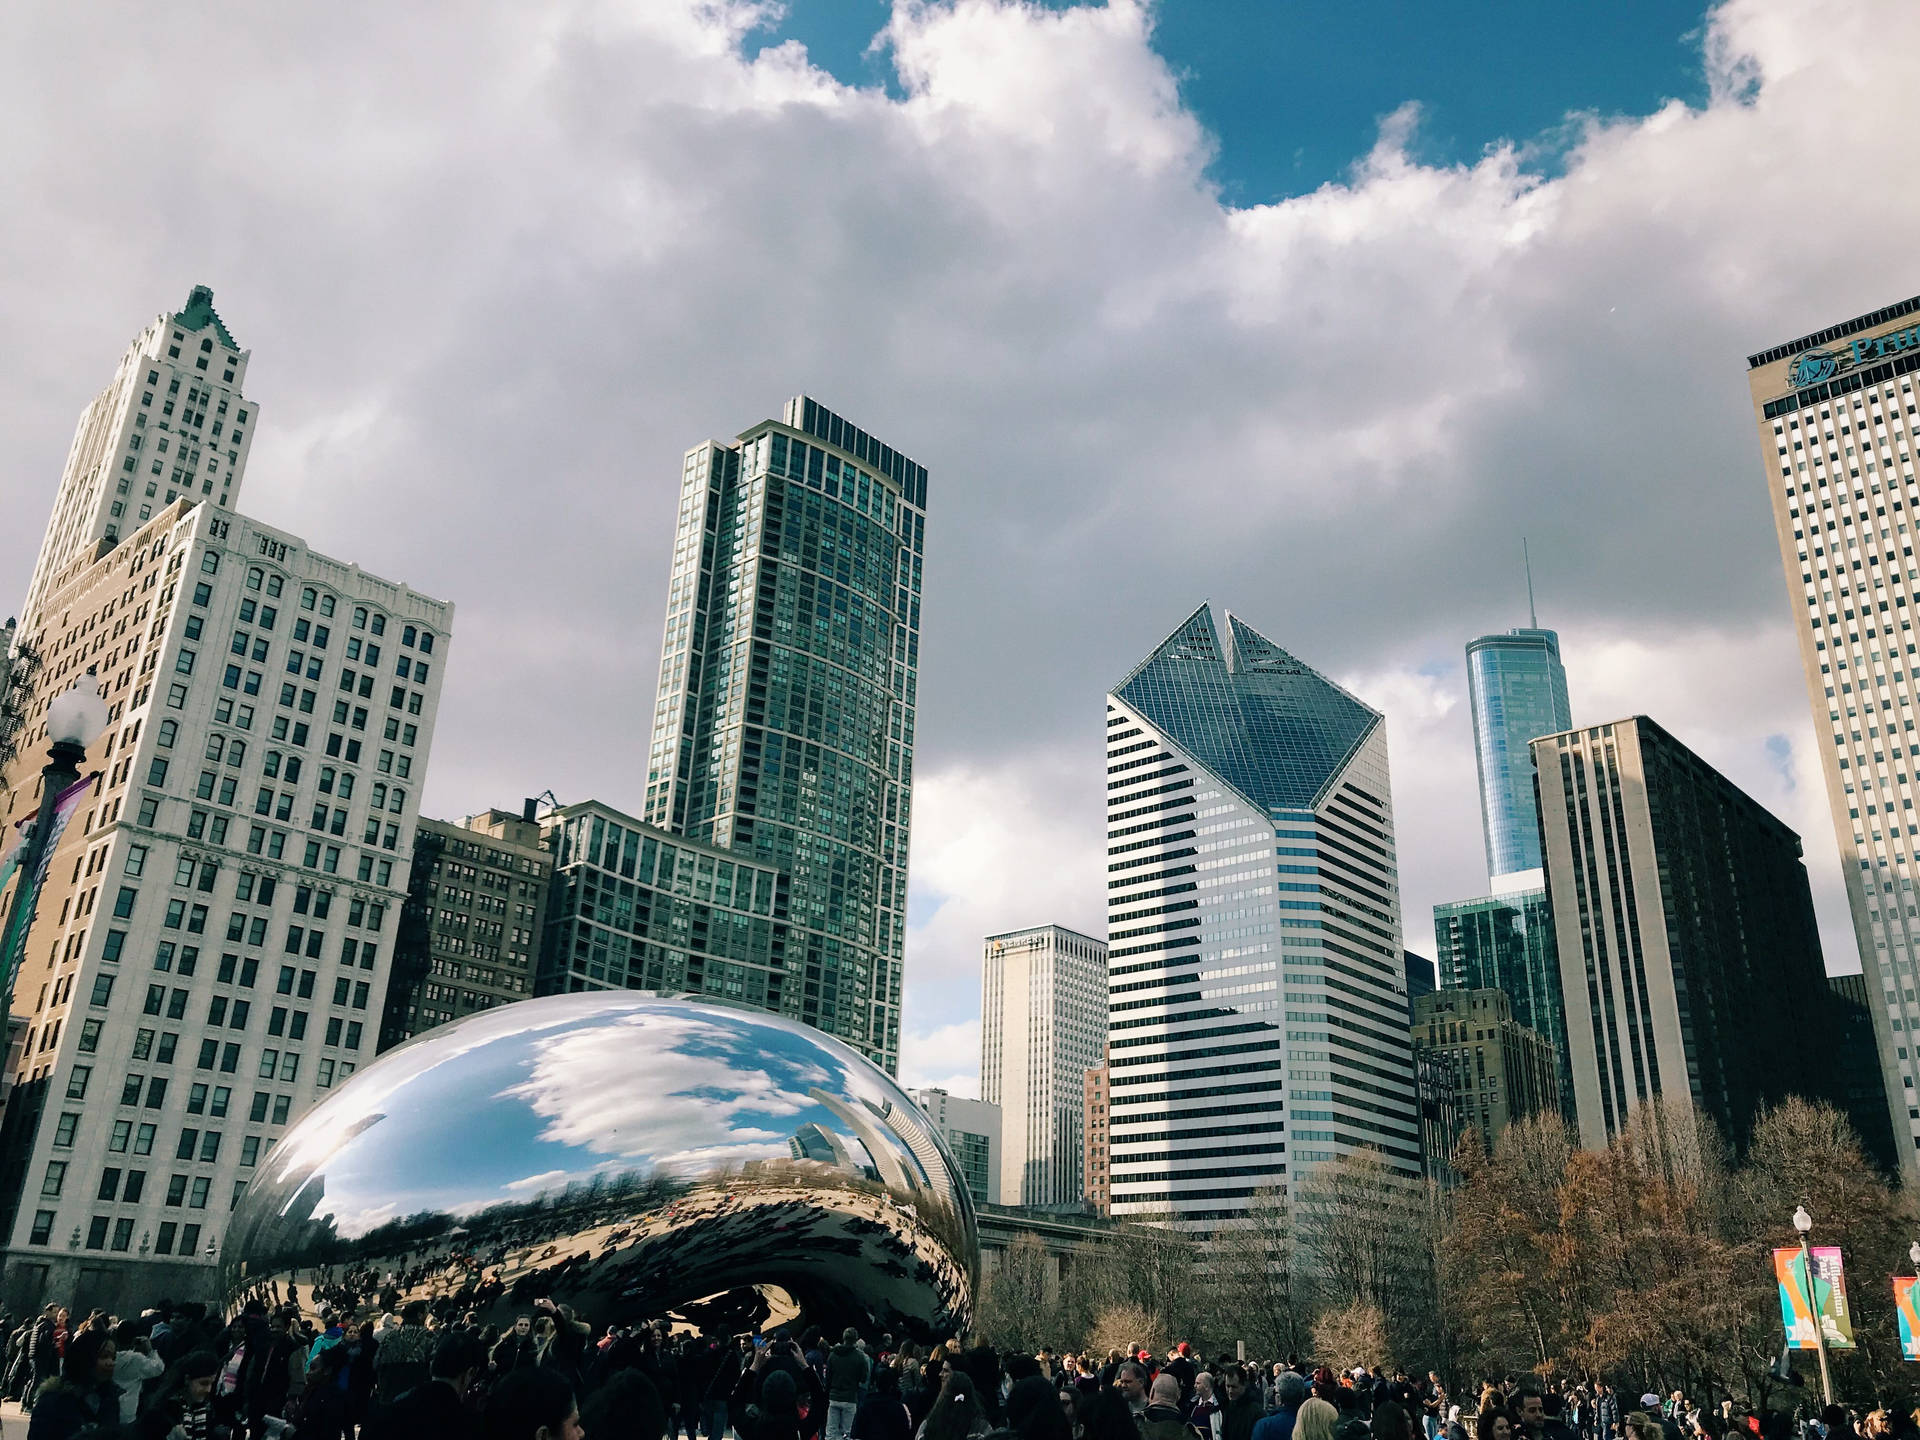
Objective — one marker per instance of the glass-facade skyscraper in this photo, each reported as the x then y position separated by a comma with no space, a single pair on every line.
1257,1023
1518,690
1506,942
783,728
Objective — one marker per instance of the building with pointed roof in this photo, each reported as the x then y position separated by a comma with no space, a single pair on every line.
1258,1010
170,424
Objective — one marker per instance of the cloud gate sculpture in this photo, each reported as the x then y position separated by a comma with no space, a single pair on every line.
628,1154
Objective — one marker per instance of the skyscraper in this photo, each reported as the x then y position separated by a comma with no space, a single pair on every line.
1250,842
470,931
1506,942
1518,690
784,724
172,422
1502,1071
210,953
1689,957
1043,1022
1836,413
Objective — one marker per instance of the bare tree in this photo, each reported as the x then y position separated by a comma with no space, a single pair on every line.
1250,1278
1019,1303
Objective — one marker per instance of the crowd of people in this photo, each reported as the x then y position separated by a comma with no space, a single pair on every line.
272,1372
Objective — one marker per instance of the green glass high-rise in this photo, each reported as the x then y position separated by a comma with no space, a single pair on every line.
1506,942
783,728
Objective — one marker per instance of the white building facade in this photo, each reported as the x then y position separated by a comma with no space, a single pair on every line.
1256,994
211,950
1043,1024
1837,415
971,1129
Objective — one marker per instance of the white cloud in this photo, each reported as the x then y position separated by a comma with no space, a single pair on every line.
945,1057
644,1089
494,294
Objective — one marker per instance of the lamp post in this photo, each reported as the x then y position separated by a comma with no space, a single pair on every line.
75,717
1803,1222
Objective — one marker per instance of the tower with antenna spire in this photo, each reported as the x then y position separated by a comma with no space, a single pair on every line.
1505,940
1517,689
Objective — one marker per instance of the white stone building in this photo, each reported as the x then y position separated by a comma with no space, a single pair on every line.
1043,1024
210,953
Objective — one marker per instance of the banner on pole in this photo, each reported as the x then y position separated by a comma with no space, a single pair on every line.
64,804
1826,1287
12,848
1903,1302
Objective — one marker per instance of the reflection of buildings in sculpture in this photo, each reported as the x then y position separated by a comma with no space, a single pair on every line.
910,1124
837,1216
811,1142
886,1159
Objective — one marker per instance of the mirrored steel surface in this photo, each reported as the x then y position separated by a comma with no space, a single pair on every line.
629,1154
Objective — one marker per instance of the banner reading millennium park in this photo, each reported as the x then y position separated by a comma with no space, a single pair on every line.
1827,1288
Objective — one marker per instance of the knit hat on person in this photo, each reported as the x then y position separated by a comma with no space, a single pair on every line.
199,1365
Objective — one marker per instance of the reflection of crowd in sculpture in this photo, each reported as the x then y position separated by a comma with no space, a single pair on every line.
804,1228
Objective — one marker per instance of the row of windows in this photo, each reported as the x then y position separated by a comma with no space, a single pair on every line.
164,1238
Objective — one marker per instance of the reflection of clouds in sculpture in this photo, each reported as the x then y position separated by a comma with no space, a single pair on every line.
349,1109
545,1180
628,1154
656,1087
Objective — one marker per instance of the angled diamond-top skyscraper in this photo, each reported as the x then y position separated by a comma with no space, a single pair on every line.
1258,1014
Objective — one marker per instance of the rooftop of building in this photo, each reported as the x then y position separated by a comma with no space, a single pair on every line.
198,313
1834,332
563,813
1491,1004
1659,735
1262,721
1034,930
1524,637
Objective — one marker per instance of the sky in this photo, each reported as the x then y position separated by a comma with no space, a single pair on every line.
1313,313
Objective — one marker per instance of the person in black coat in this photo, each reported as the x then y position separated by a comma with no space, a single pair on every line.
627,1407
83,1394
882,1414
437,1407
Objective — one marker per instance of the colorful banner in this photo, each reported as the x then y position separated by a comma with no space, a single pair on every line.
1828,1290
12,943
1909,1318
13,850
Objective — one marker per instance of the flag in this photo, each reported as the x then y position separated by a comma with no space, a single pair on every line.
1828,1290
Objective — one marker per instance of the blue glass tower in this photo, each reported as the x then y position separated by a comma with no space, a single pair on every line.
1253,928
1518,689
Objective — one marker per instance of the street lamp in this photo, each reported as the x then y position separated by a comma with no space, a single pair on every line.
75,717
1803,1222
